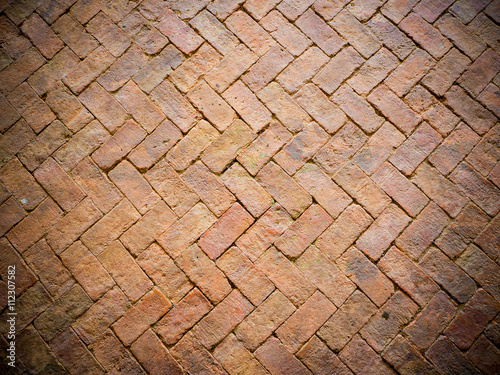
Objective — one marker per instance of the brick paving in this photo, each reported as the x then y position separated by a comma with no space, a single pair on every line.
251,187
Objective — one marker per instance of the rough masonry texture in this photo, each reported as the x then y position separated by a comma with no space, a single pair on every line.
250,187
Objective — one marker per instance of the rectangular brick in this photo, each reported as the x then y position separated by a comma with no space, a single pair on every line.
276,358
247,278
357,108
89,69
484,69
222,151
461,36
486,155
203,272
262,322
223,8
396,10
24,276
250,32
74,35
284,189
11,213
444,355
285,33
359,186
42,36
340,67
317,104
363,10
304,231
267,68
347,321
251,110
287,278
183,316
101,315
426,35
20,70
390,35
236,358
14,140
213,31
302,69
178,32
123,268
9,114
467,11
409,72
400,189
230,68
414,361
141,316
384,230
320,33
318,357
108,34
354,264
264,232
431,9
488,238
340,148
87,270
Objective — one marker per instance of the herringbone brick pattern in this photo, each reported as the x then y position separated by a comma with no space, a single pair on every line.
251,187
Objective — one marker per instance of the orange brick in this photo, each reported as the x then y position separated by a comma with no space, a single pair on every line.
285,33
178,32
416,362
253,35
20,70
236,358
11,213
108,34
74,35
390,35
275,357
10,115
214,32
42,36
141,316
318,357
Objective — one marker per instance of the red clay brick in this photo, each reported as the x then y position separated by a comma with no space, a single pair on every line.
9,114
11,213
320,33
285,33
203,272
20,70
276,358
213,31
484,69
413,361
223,8
24,276
489,98
178,32
489,238
320,359
259,8
486,155
74,35
87,270
250,32
42,36
354,264
108,34
390,35
14,140
484,355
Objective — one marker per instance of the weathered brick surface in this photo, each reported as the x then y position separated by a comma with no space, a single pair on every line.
251,187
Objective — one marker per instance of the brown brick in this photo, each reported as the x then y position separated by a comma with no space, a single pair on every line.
87,270
42,36
409,72
78,358
50,139
373,71
222,151
255,156
481,268
320,33
304,231
119,145
153,356
213,31
354,264
183,316
489,98
9,114
489,239
484,354
146,37
452,150
484,69
320,359
250,32
486,154
277,359
29,105
101,315
390,35
81,145
326,113
426,35
333,199
178,32
400,189
284,189
223,8
20,70
74,35
255,199
328,8
396,10
476,187
247,278
96,185
302,324
423,231
264,232
431,9
171,188
188,74
358,185
471,321
344,231
108,34
340,67
187,9
406,359
448,274
110,352
194,358
363,10
340,148
285,33
267,68
463,230
110,227
378,148
357,108
284,107
142,315
59,316
35,225
139,106
293,9
283,273
347,321
465,10
259,8
63,189
301,148
88,70
382,232
11,213
103,106
476,116
236,358
203,272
